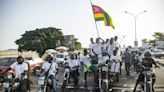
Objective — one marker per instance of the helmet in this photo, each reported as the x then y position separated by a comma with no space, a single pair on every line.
147,54
72,56
49,57
20,59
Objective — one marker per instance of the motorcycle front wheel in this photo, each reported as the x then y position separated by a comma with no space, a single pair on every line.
64,85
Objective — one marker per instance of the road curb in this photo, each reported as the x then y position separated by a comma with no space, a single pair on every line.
160,63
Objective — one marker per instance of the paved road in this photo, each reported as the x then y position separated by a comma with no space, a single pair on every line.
126,83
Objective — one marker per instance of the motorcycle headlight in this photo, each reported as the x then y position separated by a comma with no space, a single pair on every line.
149,73
66,70
6,85
41,80
16,84
104,68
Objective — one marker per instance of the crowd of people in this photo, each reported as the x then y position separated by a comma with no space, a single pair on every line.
91,59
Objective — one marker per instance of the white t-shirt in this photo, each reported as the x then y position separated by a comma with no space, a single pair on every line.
115,44
110,49
97,48
116,58
72,63
85,60
19,68
105,47
46,65
91,46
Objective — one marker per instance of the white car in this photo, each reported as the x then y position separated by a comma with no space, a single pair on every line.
60,58
35,63
158,53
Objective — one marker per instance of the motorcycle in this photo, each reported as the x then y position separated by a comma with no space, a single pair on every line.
74,75
12,84
104,73
65,77
44,84
147,83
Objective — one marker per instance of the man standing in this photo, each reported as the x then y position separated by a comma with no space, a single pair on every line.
127,61
91,46
115,43
111,47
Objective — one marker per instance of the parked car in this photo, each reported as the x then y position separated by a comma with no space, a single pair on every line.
60,57
35,63
5,63
158,53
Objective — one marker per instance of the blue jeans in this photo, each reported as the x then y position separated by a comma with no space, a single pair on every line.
95,72
53,85
127,67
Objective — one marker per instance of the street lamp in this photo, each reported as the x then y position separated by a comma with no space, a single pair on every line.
135,18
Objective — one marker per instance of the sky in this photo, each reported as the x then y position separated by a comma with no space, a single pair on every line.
75,17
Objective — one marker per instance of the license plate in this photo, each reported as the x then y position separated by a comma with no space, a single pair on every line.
41,81
104,68
149,73
6,85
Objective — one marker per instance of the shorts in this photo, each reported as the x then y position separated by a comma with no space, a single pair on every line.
87,68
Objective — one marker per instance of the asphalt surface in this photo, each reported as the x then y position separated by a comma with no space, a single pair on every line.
126,83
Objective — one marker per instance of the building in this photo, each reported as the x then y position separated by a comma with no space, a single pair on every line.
67,41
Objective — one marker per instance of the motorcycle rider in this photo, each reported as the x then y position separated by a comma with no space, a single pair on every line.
85,60
21,69
115,64
97,51
50,70
72,63
147,62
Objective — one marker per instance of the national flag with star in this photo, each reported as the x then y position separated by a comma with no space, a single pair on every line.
101,15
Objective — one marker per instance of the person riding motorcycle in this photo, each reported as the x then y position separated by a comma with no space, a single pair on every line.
147,62
86,64
50,70
21,70
74,67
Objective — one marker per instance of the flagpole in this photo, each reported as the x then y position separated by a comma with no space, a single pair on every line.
95,21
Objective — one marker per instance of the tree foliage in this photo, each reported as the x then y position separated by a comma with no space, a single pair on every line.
39,40
144,40
159,36
77,46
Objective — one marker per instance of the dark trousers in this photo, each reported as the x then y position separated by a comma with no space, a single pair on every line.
127,67
23,85
95,72
74,75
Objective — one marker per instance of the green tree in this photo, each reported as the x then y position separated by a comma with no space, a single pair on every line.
159,36
39,40
144,40
77,46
